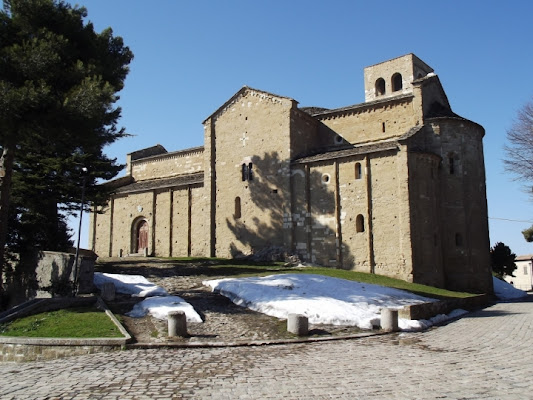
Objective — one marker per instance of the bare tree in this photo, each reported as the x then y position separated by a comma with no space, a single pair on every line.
520,148
520,152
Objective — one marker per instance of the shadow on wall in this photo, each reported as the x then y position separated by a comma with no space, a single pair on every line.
20,279
265,223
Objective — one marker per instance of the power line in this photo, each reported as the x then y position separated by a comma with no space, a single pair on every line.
511,220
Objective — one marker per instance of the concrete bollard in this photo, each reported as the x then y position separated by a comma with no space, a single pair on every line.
108,291
177,324
389,320
298,324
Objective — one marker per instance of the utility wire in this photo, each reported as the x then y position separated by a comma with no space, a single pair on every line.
512,220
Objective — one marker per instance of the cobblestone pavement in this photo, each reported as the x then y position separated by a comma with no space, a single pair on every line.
484,355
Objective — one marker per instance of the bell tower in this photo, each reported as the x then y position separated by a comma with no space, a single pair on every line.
394,77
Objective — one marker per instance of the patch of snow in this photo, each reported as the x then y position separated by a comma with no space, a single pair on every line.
160,306
506,291
324,300
135,285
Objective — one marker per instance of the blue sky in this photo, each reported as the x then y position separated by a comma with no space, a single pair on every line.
191,56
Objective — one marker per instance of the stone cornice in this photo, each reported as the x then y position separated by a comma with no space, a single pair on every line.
170,156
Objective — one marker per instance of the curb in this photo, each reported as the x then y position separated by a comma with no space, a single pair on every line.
252,343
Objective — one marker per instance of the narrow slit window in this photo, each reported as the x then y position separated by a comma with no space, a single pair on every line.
458,239
358,171
244,172
250,173
237,214
360,223
383,127
451,163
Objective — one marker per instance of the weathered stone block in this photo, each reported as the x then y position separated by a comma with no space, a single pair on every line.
177,324
298,324
389,320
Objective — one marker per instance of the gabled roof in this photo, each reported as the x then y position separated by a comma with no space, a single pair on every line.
239,93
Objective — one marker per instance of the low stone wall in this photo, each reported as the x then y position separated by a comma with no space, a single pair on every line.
21,349
55,272
429,310
22,352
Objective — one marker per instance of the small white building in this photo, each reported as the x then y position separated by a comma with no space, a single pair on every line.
523,275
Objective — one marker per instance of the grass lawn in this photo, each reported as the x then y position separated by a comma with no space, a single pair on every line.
234,268
80,322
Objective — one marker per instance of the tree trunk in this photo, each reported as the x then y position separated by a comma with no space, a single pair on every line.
6,172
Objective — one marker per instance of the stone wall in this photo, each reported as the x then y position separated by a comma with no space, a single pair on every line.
55,274
368,123
170,164
252,130
169,214
353,213
426,234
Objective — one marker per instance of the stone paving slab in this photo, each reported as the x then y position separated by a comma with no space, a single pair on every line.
485,355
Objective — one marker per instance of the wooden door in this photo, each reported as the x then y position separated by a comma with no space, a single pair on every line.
142,236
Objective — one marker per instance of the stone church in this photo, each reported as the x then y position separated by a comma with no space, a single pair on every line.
392,186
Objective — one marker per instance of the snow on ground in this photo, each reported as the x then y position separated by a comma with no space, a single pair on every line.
506,291
158,303
159,307
135,285
324,300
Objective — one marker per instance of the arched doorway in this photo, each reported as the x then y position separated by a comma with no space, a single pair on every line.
142,236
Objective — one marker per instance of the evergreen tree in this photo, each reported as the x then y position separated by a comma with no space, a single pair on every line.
502,260
58,85
528,234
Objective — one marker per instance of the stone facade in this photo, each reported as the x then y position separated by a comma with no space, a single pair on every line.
393,186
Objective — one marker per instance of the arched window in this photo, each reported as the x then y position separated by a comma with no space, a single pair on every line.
246,172
360,223
397,83
237,214
380,87
458,239
358,171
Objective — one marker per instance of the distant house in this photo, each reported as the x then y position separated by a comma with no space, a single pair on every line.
523,275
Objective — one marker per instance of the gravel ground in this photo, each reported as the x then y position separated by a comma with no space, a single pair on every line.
223,320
